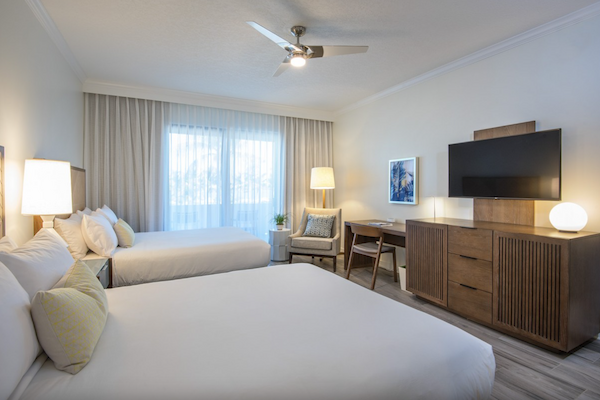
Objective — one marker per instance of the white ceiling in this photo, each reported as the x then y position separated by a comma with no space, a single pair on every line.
206,47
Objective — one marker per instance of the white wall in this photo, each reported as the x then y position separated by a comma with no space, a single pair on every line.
554,80
41,105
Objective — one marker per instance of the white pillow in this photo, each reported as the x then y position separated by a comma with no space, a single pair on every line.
99,235
7,244
86,211
70,230
39,263
19,345
108,214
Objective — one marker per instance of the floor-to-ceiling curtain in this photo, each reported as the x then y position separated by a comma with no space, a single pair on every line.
225,169
309,144
166,166
123,158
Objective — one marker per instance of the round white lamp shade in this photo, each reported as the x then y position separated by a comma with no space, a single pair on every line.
568,217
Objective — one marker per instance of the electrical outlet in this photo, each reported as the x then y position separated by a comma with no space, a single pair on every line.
391,220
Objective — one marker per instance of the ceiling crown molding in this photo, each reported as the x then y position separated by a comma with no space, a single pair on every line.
42,16
197,99
518,40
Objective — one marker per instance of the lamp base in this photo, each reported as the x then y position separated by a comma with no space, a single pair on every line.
48,221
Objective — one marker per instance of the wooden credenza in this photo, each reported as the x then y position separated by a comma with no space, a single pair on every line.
533,283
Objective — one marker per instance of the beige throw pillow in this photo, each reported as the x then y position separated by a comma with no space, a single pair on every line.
125,233
69,320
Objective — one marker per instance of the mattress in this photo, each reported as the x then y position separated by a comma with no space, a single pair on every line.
160,256
282,332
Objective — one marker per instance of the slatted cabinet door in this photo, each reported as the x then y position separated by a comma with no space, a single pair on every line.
427,261
531,286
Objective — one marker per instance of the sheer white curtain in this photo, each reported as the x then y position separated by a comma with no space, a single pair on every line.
225,168
123,147
166,166
308,144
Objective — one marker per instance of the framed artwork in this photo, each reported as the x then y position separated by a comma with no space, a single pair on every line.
403,180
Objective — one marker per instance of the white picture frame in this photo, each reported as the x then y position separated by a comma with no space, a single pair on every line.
403,181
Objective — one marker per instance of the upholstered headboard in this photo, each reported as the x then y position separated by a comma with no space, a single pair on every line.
77,194
2,223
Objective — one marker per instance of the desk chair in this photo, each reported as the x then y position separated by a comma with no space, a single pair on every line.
370,249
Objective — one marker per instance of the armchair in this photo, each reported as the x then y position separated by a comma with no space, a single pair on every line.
316,246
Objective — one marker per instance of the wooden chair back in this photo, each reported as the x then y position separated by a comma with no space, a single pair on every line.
368,231
372,232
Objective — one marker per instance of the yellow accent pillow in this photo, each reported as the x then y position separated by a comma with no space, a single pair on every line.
81,278
70,319
125,234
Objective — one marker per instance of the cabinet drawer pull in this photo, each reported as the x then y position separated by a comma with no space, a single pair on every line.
470,258
467,227
468,287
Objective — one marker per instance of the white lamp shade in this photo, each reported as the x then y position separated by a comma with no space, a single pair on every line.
568,217
322,178
47,188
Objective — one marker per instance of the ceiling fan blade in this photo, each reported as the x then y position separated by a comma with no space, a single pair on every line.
284,44
328,51
283,66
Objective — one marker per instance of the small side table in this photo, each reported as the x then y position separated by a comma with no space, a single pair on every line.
277,240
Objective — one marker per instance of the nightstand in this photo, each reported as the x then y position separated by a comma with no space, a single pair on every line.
102,268
278,242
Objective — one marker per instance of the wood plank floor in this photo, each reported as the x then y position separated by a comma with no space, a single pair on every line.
523,371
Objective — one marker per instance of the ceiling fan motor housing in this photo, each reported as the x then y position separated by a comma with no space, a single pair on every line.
298,31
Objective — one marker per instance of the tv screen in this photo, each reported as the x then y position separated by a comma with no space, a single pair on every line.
512,167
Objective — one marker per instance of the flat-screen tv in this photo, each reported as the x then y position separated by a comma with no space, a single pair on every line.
512,167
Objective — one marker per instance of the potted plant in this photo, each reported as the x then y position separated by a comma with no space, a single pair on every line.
280,220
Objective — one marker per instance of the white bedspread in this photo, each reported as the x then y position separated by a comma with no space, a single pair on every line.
160,256
283,332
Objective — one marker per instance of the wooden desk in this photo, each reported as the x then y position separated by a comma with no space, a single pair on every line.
395,234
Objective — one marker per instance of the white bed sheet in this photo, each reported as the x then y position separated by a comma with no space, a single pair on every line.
160,256
283,332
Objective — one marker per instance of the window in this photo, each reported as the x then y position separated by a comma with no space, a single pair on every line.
223,177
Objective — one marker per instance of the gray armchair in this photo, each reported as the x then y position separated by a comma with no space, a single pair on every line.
315,246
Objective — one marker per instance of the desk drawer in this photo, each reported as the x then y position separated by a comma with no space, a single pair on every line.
476,243
470,271
472,303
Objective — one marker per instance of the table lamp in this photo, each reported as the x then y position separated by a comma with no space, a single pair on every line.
47,189
322,178
568,217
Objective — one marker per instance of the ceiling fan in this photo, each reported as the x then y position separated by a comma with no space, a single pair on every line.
299,53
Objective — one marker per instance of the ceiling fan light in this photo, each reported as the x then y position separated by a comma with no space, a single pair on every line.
298,60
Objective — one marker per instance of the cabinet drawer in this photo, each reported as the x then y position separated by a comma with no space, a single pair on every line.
472,303
470,271
469,242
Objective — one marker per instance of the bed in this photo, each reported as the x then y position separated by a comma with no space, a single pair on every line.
160,256
281,332
157,256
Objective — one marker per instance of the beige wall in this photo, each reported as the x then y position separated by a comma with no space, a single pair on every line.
41,105
554,80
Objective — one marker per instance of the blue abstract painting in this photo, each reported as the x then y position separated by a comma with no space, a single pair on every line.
403,181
